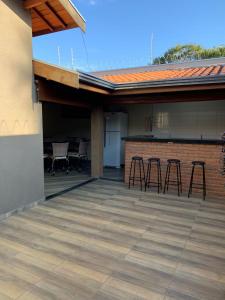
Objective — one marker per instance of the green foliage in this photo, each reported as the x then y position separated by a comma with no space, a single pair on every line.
189,52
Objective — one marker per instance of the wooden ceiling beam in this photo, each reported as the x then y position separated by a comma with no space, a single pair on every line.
28,4
56,74
54,93
39,15
56,15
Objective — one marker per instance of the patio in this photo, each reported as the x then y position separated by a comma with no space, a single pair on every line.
105,242
62,182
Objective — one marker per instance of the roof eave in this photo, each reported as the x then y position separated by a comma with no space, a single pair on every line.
67,76
52,20
90,79
74,13
171,82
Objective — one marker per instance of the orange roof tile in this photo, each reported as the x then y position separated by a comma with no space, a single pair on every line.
152,75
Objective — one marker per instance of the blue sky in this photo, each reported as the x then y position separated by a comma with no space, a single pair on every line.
119,32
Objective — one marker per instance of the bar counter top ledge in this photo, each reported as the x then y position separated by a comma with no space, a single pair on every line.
149,138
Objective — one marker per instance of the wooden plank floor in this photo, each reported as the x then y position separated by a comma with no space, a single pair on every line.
114,173
105,242
62,181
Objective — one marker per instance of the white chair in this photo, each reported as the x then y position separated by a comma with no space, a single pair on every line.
60,152
80,155
82,151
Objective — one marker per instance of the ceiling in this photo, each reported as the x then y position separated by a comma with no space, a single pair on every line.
50,16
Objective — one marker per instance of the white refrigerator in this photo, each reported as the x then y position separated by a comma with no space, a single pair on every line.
115,129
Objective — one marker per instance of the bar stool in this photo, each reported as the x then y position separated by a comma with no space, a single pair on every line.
148,182
199,186
178,181
137,161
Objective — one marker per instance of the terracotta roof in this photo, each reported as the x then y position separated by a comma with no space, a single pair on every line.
165,72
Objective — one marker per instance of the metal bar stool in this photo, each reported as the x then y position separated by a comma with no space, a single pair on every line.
137,161
199,186
178,181
148,182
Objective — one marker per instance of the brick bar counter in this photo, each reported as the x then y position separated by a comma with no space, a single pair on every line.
186,150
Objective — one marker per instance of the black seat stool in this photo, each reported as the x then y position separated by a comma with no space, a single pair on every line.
148,182
199,186
137,162
178,181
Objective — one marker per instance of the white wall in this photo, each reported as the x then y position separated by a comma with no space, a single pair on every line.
193,119
190,120
137,118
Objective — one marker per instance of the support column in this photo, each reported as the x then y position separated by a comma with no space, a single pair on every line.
97,140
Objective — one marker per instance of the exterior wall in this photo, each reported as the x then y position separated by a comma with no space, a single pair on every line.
191,119
21,163
211,154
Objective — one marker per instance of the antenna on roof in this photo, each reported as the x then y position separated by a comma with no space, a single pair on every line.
59,55
86,50
72,57
151,49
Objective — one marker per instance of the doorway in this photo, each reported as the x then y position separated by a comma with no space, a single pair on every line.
66,128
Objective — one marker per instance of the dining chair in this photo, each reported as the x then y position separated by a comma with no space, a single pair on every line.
82,151
60,152
81,155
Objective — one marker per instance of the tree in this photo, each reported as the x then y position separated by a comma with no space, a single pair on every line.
189,52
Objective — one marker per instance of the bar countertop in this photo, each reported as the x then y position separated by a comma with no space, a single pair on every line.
149,138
